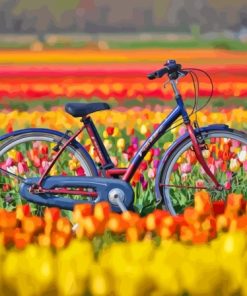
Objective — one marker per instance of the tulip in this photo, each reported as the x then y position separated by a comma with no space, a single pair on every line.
143,129
121,144
144,185
200,183
185,168
151,173
82,210
182,130
102,211
218,163
108,144
156,163
110,130
206,153
234,165
245,165
184,177
80,171
148,157
134,141
242,155
156,151
22,211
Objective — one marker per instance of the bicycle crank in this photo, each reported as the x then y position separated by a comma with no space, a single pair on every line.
118,193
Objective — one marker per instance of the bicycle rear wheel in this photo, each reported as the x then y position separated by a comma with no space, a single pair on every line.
28,155
182,175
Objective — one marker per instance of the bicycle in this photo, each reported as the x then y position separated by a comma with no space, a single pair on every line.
217,156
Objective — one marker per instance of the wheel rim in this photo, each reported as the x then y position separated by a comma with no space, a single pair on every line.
180,171
19,156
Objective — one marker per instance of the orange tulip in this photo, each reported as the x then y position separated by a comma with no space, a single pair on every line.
102,211
203,204
32,225
59,239
82,210
116,223
21,240
22,211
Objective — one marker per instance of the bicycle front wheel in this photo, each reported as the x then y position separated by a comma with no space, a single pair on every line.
182,175
29,154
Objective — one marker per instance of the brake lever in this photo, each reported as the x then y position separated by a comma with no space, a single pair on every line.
181,74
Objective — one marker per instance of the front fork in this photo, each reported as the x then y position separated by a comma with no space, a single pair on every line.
198,142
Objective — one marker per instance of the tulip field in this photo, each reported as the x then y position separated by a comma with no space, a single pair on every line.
202,251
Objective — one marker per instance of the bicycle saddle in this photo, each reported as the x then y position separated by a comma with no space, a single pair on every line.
83,109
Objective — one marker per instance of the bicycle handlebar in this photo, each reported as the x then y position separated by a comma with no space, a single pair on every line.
171,67
158,74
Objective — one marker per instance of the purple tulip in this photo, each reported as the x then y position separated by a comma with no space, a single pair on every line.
134,141
156,163
144,185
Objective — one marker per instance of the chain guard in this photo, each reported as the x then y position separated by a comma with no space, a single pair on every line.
101,185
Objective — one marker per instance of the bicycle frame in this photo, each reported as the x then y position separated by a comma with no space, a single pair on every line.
107,167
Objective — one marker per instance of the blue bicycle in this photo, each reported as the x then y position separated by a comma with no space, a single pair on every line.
212,158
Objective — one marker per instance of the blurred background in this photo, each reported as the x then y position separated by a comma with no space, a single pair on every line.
55,51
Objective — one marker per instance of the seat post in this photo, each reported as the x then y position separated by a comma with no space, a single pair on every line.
103,155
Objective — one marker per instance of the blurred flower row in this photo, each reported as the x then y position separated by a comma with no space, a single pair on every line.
137,268
198,224
119,91
117,122
83,56
125,84
158,264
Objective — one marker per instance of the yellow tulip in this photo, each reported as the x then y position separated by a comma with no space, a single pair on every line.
121,143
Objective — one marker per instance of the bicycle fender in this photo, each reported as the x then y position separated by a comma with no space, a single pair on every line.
172,148
52,132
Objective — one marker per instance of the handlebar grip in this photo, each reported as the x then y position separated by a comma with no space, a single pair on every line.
158,73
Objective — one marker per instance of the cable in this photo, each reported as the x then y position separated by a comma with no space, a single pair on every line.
195,81
211,82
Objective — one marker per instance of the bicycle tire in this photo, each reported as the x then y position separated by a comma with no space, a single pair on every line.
168,201
81,157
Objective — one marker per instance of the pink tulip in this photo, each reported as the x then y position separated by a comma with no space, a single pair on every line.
229,175
36,144
156,151
212,168
218,163
22,168
80,171
235,143
182,130
151,173
186,168
227,185
9,162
